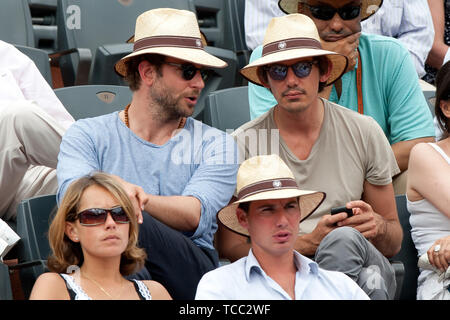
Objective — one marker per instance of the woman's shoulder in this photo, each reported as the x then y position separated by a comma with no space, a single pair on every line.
49,286
50,278
423,151
157,290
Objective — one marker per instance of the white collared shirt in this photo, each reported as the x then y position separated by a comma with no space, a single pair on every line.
258,14
246,280
410,22
20,79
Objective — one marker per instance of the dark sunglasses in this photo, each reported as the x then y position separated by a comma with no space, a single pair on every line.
97,216
189,70
279,72
324,12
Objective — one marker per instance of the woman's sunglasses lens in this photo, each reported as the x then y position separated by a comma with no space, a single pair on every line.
98,216
92,217
119,215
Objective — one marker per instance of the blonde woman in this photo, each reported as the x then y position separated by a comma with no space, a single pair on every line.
95,233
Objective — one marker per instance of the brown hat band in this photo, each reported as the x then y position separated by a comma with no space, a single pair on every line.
289,44
167,41
267,185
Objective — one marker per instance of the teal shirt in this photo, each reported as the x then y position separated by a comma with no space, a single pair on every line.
391,91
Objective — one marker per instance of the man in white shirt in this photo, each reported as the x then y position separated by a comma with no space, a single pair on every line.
257,16
410,22
32,122
269,209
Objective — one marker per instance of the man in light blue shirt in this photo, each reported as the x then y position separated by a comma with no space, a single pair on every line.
269,209
177,170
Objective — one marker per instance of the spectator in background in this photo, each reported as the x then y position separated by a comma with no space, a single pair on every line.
439,53
270,215
257,16
389,89
95,234
32,122
174,168
410,22
428,200
329,148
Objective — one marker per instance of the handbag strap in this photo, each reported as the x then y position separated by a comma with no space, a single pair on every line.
359,85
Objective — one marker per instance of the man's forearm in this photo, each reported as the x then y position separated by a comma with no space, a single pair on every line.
306,245
403,148
389,238
178,212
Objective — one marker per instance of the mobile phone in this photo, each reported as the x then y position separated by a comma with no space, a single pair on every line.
342,209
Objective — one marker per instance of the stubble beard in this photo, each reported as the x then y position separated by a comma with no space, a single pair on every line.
168,105
295,107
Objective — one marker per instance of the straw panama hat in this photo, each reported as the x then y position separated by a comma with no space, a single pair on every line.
293,36
170,32
264,178
368,7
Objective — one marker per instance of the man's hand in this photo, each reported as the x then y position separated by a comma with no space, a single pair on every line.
137,196
364,219
346,46
308,243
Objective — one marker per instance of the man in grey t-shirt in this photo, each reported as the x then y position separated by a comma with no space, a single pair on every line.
328,148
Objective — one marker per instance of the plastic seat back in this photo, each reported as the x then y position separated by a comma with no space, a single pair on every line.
430,97
90,24
93,100
15,23
234,39
5,283
227,108
33,221
408,253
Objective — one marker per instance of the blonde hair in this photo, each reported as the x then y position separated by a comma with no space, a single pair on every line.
65,252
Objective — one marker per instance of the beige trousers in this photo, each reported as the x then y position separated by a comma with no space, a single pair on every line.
29,147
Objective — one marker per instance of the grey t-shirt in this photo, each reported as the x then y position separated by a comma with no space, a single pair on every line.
350,149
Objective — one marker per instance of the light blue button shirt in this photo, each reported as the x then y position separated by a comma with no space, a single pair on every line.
246,280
